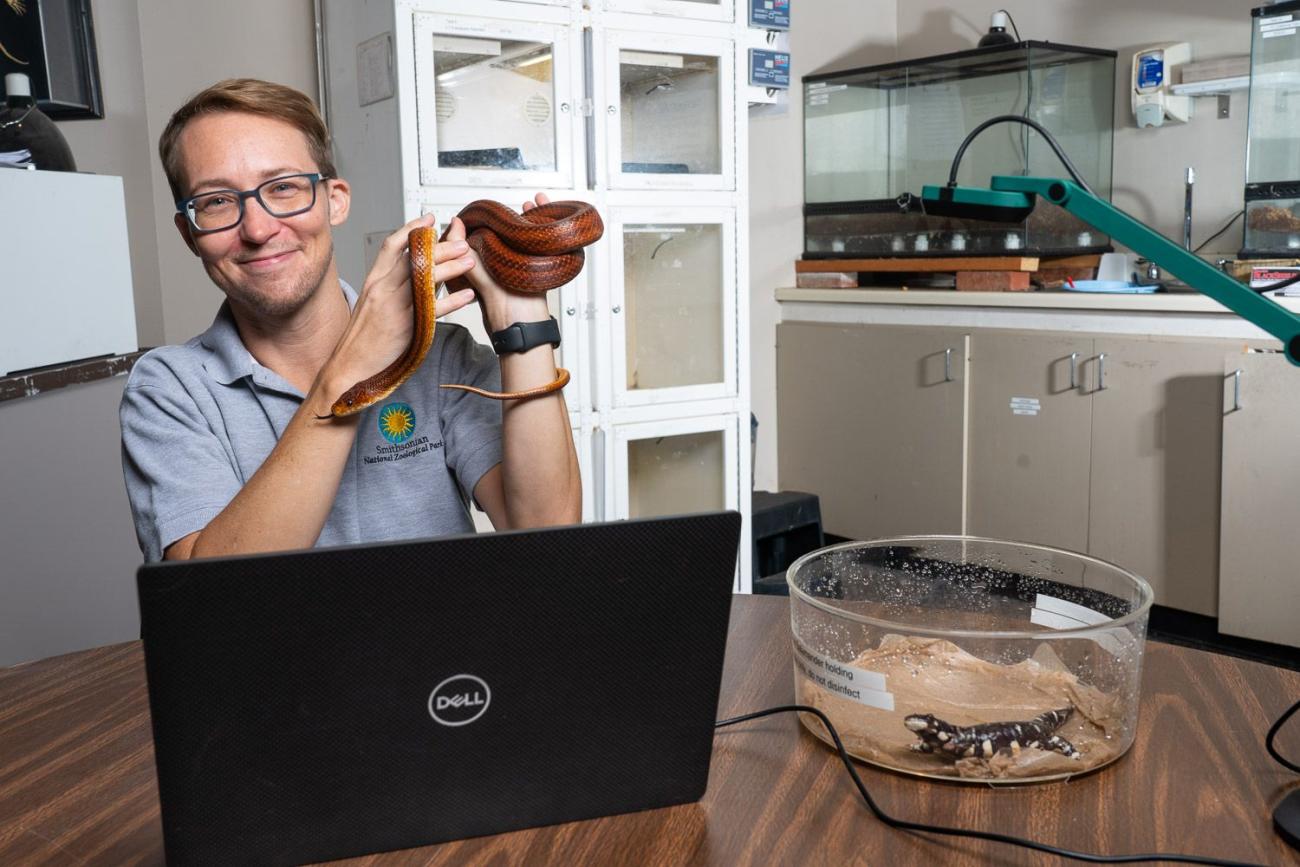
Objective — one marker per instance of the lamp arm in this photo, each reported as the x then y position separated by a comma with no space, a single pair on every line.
1145,241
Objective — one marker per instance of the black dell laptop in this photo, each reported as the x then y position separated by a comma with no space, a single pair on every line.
342,701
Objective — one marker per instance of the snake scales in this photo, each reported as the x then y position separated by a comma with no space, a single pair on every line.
530,253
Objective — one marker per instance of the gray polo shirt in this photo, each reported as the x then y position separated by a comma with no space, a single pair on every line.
199,419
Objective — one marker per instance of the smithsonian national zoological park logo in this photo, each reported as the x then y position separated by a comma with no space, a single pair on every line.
397,424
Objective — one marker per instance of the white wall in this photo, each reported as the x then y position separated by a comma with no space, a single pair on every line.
825,36
119,145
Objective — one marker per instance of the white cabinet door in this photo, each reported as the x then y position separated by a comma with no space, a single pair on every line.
668,105
671,314
673,467
497,102
566,304
707,10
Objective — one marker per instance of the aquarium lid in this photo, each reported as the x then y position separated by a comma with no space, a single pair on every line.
1269,11
990,52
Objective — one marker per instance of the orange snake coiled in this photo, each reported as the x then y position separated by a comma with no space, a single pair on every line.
530,253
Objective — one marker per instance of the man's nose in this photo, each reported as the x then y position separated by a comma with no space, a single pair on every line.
258,225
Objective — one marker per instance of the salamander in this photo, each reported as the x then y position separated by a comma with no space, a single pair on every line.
985,739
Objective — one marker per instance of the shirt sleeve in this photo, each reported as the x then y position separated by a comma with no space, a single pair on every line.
471,424
178,474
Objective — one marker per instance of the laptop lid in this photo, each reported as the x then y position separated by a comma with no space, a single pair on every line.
342,701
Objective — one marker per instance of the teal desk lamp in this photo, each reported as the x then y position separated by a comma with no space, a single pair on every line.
1010,199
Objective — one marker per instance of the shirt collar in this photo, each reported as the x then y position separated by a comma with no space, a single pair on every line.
228,359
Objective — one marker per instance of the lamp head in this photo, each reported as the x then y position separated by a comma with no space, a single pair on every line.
974,203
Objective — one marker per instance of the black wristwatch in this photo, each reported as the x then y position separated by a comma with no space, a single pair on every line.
523,336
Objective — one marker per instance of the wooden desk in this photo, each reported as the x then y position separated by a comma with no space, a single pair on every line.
77,777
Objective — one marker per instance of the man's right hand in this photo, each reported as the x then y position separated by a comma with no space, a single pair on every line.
383,317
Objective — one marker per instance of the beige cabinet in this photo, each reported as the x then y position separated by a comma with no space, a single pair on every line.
1103,444
1108,445
1030,432
1259,557
1154,480
870,419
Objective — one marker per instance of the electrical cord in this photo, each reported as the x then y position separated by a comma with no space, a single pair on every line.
905,825
1226,227
1272,733
1034,125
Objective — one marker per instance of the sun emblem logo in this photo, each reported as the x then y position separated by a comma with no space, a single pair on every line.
397,422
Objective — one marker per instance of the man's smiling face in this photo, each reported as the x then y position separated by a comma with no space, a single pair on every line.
267,266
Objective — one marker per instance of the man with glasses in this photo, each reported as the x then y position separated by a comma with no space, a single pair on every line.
223,450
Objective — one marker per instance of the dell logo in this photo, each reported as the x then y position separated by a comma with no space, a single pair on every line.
459,700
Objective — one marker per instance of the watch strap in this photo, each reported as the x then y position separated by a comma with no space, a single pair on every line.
523,336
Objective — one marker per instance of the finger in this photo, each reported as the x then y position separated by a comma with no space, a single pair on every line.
453,301
394,246
528,206
455,230
396,278
444,271
450,250
543,199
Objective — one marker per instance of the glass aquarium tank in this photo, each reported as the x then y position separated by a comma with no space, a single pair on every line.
873,137
1273,139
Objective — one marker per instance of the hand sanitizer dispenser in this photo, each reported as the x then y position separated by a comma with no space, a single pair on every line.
1153,76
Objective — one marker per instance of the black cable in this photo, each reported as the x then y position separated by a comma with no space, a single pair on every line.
1034,125
1226,227
1281,284
905,825
1272,733
1014,28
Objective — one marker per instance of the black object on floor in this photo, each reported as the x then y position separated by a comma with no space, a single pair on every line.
1286,819
1201,632
786,525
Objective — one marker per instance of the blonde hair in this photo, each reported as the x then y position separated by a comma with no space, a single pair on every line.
250,96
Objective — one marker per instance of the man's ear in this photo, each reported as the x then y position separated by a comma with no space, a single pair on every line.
338,200
183,226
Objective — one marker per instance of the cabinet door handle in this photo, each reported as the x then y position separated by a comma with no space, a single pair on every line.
1236,390
611,109
570,311
1101,372
564,107
616,309
1074,370
947,365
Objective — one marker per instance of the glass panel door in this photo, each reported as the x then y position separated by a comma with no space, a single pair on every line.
674,467
673,304
669,112
497,102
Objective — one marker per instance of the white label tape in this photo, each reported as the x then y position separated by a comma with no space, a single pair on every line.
1059,614
842,679
1025,406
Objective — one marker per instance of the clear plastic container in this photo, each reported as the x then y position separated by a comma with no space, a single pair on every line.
927,652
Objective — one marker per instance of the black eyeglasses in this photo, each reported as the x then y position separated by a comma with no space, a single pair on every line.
224,209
